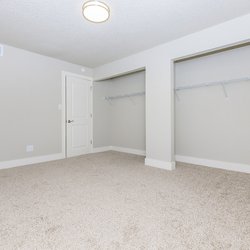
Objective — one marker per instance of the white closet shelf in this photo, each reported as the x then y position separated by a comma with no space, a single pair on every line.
109,98
208,84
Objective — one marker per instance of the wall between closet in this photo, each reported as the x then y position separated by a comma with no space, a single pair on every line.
208,125
121,123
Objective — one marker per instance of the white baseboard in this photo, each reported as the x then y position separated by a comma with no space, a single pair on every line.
119,149
129,150
101,149
160,164
31,160
214,164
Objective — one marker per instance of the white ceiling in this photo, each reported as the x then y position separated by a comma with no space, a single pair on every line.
56,27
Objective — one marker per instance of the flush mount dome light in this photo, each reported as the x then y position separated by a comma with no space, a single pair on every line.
95,11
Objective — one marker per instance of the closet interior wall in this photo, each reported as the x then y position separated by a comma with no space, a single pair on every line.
120,122
209,125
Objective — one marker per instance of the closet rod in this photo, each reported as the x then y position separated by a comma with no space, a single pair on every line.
207,84
124,96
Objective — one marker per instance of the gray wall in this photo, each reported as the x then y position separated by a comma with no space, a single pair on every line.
30,92
208,125
121,123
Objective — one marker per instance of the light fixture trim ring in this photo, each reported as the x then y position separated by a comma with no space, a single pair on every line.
99,4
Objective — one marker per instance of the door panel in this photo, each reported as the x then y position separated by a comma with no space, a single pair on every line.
78,116
79,136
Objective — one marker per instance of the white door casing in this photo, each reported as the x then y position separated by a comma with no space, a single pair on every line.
78,115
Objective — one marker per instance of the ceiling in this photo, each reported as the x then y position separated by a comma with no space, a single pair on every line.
56,28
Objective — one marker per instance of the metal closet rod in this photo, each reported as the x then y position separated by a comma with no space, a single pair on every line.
124,96
207,84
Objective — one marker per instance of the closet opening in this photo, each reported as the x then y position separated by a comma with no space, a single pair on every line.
119,114
212,100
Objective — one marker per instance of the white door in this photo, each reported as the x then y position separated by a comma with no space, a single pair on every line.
78,116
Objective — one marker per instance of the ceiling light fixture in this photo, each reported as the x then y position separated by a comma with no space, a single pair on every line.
95,11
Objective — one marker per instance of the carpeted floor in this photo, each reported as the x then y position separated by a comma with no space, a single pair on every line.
112,201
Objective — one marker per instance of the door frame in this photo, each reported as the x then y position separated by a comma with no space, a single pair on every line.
63,109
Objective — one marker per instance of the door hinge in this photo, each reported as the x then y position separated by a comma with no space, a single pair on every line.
91,87
91,115
91,142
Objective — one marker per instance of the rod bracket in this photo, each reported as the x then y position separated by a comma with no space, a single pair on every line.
224,89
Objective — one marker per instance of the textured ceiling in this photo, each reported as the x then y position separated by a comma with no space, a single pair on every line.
56,27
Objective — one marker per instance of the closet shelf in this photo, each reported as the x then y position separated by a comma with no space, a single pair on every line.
207,84
109,98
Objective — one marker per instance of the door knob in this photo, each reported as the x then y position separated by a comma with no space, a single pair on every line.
69,121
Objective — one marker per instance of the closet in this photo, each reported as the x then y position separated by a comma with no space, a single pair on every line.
212,107
119,113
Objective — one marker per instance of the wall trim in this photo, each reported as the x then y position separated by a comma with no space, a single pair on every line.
53,157
101,149
160,164
238,167
129,150
119,149
31,160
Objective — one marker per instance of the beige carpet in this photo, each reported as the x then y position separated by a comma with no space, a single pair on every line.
112,201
